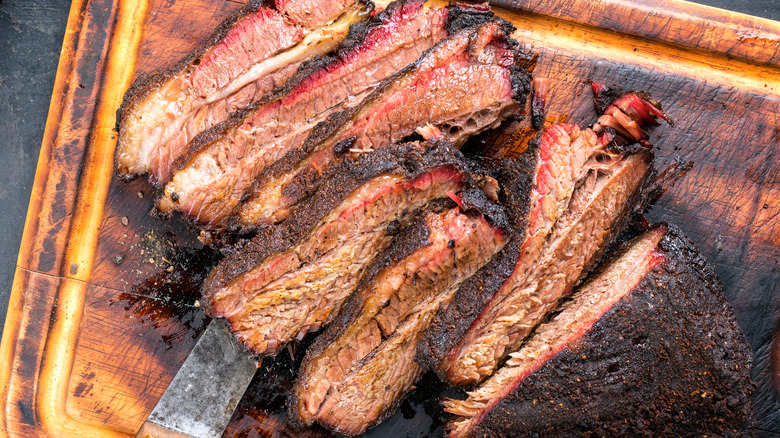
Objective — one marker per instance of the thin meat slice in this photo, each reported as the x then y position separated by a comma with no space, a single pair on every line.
538,187
583,185
433,89
250,54
358,371
293,277
259,136
648,347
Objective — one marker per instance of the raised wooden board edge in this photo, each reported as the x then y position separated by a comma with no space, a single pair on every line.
123,22
91,169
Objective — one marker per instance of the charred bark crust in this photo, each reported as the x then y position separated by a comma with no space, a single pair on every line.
408,159
668,359
413,238
143,84
453,320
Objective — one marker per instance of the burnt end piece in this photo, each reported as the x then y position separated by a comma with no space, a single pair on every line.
452,321
410,159
668,359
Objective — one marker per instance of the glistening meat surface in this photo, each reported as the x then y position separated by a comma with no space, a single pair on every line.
464,84
292,277
648,347
250,54
555,162
596,212
469,337
357,372
231,153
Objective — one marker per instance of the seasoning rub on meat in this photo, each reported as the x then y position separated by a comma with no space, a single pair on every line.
647,347
248,55
359,370
584,187
464,84
293,277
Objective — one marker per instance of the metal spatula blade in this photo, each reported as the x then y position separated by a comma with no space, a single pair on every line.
202,397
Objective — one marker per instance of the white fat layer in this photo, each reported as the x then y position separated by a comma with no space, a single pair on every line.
319,42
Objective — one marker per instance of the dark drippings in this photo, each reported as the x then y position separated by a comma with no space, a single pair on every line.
168,301
167,304
262,410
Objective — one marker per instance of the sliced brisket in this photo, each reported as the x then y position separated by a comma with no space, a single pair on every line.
464,84
292,277
236,151
648,347
358,371
250,54
583,189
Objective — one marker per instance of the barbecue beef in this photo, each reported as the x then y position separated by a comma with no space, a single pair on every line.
271,127
250,54
292,277
358,371
312,14
464,84
584,187
648,347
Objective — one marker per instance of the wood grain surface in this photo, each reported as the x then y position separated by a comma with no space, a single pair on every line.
104,304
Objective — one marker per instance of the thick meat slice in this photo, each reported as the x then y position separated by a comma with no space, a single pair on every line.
464,84
649,347
596,212
250,54
357,372
253,139
498,307
555,161
292,277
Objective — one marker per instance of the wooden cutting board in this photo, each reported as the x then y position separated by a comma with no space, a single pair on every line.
103,309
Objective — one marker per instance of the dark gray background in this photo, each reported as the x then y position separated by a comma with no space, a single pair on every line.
31,35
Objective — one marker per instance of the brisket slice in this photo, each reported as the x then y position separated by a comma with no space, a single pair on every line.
463,85
292,277
597,211
538,187
250,54
226,158
358,371
648,347
497,308
465,80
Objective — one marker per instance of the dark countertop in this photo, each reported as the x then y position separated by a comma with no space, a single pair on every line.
31,36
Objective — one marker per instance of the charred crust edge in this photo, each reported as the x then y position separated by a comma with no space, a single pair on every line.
453,320
682,294
349,175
